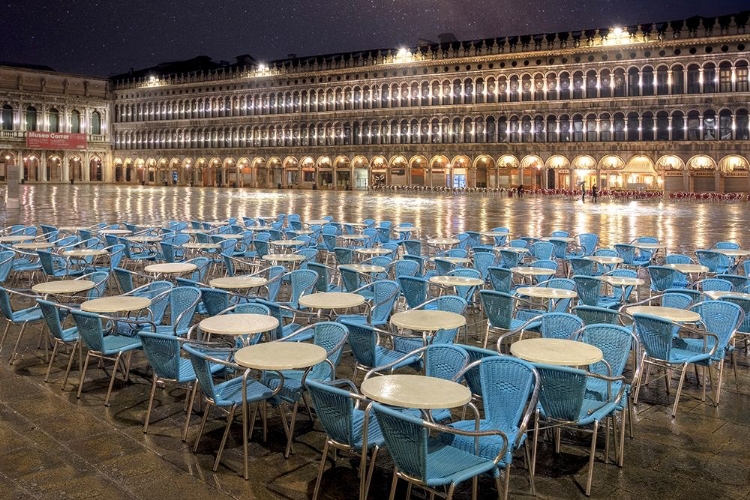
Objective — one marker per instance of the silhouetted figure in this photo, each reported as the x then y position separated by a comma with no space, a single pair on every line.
594,192
520,190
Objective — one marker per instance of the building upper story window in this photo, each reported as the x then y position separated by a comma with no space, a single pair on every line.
6,118
54,120
31,118
96,123
75,122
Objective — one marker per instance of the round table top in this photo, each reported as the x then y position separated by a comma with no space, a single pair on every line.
284,257
353,224
63,286
688,268
363,268
238,324
171,268
15,238
228,236
191,230
217,223
495,234
191,245
144,239
316,222
543,292
303,232
513,249
456,281
354,237
604,259
84,252
454,260
115,231
331,300
280,356
443,241
422,320
716,295
566,239
623,281
561,352
404,229
36,245
373,251
670,313
733,252
74,228
650,246
118,303
287,243
532,271
416,391
238,282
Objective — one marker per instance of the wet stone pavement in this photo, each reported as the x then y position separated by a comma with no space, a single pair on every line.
57,446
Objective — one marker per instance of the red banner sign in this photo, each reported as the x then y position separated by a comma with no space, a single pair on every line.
55,140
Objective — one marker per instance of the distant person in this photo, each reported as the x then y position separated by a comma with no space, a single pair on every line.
594,192
583,192
520,190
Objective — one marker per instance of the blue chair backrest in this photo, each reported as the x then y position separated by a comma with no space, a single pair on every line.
721,318
335,408
274,285
542,250
500,278
593,315
414,289
405,267
678,258
183,301
498,306
616,344
561,392
676,300
90,329
51,313
163,353
303,282
588,242
558,325
331,336
6,264
202,368
444,360
506,385
588,289
483,261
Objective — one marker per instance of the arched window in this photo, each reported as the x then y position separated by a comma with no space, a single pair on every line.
693,79
526,88
634,87
725,125
468,131
564,128
693,126
551,128
605,86
647,126
514,86
54,120
75,122
551,87
591,134
709,78
513,129
742,125
619,127
678,126
577,128
709,125
662,126
6,118
620,83
96,123
662,80
564,86
502,129
526,134
742,81
725,77
539,135
502,89
578,85
678,79
605,127
632,127
538,88
647,81
31,118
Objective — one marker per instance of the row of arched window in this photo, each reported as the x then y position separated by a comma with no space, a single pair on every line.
695,125
32,119
605,83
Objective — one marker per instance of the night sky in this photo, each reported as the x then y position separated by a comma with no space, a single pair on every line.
107,37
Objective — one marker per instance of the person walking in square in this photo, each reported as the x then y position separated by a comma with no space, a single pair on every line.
594,192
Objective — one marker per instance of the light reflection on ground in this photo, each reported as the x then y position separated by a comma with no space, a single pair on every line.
683,225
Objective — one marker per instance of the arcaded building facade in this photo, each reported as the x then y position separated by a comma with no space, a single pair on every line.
662,106
54,125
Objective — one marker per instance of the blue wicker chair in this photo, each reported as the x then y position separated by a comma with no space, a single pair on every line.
53,317
347,427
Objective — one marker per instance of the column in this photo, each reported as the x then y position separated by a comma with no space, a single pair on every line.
43,166
65,168
669,126
85,166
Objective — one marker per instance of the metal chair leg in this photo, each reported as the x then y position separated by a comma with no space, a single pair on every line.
230,418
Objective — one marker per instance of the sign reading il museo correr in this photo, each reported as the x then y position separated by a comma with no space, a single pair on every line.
55,140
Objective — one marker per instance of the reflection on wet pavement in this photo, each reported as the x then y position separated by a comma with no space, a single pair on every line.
683,225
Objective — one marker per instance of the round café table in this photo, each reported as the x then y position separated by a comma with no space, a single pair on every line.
316,222
331,300
286,244
716,295
116,304
566,239
144,239
16,238
512,249
456,281
688,268
543,292
228,236
443,242
63,287
363,268
422,320
529,271
373,252
669,313
115,231
170,268
732,252
416,391
404,229
276,356
605,260
192,245
291,258
560,352
238,282
34,245
495,234
623,281
456,261
238,324
85,252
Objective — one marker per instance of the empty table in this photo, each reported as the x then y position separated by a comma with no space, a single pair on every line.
115,231
170,268
561,352
331,300
279,355
688,268
363,268
238,324
116,304
543,292
454,281
716,295
512,249
456,261
669,313
85,252
604,260
238,282
63,287
317,222
529,271
35,245
422,320
16,238
416,391
732,252
443,242
373,252
286,244
144,239
291,258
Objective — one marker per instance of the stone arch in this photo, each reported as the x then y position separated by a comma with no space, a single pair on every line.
418,167
485,172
